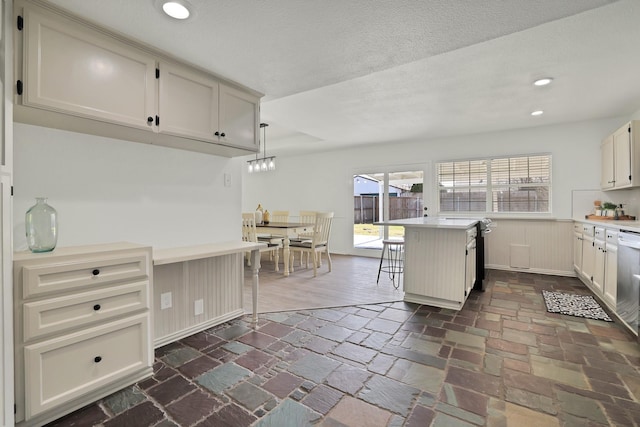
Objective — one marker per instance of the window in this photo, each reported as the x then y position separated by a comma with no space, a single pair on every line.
509,184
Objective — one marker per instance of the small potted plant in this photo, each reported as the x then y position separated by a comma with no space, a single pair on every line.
609,209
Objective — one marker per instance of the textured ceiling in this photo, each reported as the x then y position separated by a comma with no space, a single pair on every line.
340,73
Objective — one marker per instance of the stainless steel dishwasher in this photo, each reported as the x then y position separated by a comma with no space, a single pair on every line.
628,296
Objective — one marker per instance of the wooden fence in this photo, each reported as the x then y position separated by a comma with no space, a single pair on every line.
367,209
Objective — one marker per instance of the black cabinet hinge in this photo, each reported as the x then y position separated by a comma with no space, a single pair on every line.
12,190
157,73
629,177
20,23
19,87
629,129
157,120
465,293
15,408
466,251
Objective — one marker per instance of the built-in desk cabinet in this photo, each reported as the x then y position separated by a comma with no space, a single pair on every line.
76,76
82,327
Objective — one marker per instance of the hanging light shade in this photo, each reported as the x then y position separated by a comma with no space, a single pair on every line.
264,163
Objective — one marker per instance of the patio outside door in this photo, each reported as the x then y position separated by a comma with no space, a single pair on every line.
379,196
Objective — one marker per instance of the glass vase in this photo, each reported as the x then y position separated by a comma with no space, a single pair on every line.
41,223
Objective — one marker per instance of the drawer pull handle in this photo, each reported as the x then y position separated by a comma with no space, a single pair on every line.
97,359
95,272
96,307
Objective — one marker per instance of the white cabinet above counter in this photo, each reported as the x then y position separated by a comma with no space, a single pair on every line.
76,76
620,157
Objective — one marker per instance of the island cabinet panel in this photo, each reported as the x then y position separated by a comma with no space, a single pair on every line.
82,327
435,266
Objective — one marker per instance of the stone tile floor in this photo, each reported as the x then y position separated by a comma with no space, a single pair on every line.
501,361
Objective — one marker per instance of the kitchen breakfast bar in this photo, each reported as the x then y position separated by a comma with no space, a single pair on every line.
439,260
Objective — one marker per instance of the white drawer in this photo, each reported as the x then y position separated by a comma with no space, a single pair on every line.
42,279
599,233
612,236
55,315
65,368
587,230
577,227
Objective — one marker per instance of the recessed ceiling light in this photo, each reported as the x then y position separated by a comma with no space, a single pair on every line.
543,82
537,113
176,9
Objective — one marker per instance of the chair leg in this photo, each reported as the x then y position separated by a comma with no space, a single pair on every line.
248,256
277,258
384,246
315,262
328,259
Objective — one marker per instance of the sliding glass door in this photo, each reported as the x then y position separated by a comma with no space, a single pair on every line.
378,196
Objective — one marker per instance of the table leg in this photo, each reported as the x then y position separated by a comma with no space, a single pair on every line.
285,252
255,265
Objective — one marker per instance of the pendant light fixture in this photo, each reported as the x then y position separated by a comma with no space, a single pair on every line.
264,163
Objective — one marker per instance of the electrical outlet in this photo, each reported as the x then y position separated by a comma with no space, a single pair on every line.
198,307
165,301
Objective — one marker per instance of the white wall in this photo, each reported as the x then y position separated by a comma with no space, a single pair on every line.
108,190
324,181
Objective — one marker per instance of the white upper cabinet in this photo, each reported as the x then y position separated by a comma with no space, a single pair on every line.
621,158
77,76
239,117
188,103
72,69
607,177
194,105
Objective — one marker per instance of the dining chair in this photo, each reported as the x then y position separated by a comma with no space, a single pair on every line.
280,216
249,234
318,244
306,217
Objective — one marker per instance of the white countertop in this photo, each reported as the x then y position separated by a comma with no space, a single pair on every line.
432,222
188,253
622,225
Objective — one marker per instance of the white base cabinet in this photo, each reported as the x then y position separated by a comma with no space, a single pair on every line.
82,326
596,260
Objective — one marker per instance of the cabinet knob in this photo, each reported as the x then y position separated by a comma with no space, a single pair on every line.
97,359
96,307
217,134
95,272
222,134
150,120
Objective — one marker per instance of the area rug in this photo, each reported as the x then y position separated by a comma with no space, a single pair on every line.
574,305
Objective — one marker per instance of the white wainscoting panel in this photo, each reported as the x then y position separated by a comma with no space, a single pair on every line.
218,281
549,242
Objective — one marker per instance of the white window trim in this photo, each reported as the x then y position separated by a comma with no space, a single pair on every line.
489,187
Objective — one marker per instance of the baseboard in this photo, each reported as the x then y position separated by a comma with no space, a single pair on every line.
532,270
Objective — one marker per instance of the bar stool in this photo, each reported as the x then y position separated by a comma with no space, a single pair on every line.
394,250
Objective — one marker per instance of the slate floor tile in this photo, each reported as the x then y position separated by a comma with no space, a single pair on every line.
170,390
389,394
192,408
314,367
249,396
198,366
222,377
229,416
282,384
357,413
322,398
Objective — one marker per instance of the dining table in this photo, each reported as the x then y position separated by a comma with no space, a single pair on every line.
286,230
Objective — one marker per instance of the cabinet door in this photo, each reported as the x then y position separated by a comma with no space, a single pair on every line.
607,175
588,257
239,116
470,271
611,275
622,153
599,267
69,68
577,252
188,103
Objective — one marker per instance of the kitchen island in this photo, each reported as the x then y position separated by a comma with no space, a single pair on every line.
439,260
